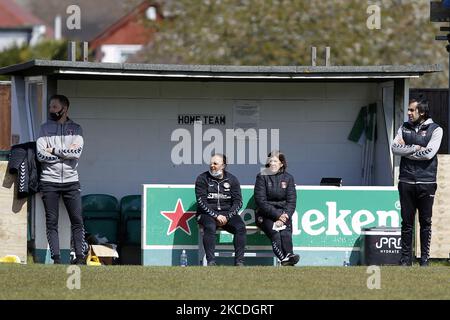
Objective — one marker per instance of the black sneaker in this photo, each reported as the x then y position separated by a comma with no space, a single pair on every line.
212,264
239,264
285,261
405,263
294,259
290,260
424,263
56,260
80,260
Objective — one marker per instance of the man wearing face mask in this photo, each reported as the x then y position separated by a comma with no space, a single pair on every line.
59,147
417,142
219,200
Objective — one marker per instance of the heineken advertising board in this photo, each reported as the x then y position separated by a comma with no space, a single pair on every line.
327,223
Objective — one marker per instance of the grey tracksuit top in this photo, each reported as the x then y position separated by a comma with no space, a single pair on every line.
61,165
418,166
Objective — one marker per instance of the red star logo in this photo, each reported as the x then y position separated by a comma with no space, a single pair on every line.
178,218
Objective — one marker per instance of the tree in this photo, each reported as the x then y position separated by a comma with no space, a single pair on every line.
281,32
48,49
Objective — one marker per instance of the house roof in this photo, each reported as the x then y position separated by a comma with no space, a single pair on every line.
135,32
12,16
95,15
110,71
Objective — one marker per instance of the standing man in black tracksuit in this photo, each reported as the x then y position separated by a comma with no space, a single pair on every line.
219,200
59,147
276,199
417,142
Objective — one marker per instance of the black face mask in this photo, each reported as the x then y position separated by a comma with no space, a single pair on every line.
55,116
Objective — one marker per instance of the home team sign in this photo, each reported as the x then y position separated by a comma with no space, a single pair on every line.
205,119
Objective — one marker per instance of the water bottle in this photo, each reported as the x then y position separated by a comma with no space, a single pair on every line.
347,259
183,259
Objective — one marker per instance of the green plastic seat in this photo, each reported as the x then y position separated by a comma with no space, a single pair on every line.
101,216
130,208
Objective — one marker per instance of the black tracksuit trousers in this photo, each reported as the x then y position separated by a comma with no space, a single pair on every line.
71,195
235,226
281,240
416,197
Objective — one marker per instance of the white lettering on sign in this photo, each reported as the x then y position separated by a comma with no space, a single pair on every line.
358,222
384,215
308,222
314,222
390,242
335,221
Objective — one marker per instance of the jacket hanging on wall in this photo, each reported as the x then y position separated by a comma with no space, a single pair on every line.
23,162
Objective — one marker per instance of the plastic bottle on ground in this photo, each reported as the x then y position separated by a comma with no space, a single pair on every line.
347,259
183,259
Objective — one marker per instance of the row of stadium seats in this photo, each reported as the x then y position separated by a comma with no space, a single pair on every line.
119,222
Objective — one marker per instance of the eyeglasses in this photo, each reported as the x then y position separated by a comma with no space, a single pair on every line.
412,110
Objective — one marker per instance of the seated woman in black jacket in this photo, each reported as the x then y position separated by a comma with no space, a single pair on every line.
276,198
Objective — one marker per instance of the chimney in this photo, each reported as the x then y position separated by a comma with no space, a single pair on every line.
327,56
72,51
313,56
85,51
58,27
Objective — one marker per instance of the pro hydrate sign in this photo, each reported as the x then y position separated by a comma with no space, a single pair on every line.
326,225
